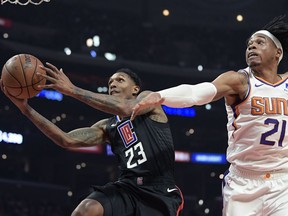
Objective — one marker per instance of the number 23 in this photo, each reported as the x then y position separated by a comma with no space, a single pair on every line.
138,148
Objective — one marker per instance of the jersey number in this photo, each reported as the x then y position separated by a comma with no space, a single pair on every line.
138,150
276,124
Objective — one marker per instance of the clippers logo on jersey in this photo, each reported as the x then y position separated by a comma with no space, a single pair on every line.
127,135
264,105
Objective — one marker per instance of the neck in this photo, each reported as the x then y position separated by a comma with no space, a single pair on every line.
268,75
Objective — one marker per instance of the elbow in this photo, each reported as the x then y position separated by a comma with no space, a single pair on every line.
67,143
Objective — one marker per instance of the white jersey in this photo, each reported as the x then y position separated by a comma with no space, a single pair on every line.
257,127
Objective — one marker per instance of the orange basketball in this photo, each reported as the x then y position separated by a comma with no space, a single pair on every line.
19,76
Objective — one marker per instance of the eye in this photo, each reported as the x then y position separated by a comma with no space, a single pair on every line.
260,41
121,80
249,43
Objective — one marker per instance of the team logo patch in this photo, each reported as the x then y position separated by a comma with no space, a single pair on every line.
127,135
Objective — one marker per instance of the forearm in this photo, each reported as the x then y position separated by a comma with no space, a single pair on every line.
188,95
103,102
81,137
46,127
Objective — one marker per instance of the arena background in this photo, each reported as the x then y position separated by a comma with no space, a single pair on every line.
197,41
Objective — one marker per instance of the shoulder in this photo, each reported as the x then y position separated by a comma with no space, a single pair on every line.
233,85
235,76
232,80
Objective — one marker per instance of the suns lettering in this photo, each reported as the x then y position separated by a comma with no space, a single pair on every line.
269,106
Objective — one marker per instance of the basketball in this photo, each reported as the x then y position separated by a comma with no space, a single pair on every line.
19,76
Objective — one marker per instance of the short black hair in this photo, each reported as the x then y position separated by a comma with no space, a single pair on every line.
132,75
279,28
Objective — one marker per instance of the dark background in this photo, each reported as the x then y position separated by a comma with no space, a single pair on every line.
37,176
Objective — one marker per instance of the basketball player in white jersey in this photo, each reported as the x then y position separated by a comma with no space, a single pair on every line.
256,102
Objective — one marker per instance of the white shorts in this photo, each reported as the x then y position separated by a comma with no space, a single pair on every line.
255,194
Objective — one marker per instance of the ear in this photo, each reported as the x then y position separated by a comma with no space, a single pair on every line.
136,90
278,53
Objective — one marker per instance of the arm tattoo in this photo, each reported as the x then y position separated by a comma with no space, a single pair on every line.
101,102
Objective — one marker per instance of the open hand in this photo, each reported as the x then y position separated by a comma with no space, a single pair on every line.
58,80
152,99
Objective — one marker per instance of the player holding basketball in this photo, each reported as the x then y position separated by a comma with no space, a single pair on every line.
256,102
144,147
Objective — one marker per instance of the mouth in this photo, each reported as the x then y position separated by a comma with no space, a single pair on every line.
113,92
252,54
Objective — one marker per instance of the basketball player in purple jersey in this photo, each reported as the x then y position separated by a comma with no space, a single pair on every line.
144,147
256,100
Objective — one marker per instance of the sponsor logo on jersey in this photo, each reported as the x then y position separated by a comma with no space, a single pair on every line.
265,105
127,135
169,190
258,85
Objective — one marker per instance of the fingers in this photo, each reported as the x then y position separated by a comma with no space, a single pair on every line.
132,117
53,67
151,100
134,112
47,77
47,86
52,74
161,101
51,70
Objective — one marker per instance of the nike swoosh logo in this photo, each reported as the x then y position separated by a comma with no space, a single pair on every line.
170,190
258,85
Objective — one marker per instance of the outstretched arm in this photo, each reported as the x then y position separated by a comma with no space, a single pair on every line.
180,96
188,95
81,137
231,85
106,103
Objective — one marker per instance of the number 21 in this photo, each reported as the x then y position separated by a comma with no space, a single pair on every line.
272,131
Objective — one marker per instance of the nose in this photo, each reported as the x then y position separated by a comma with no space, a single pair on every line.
112,84
251,46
